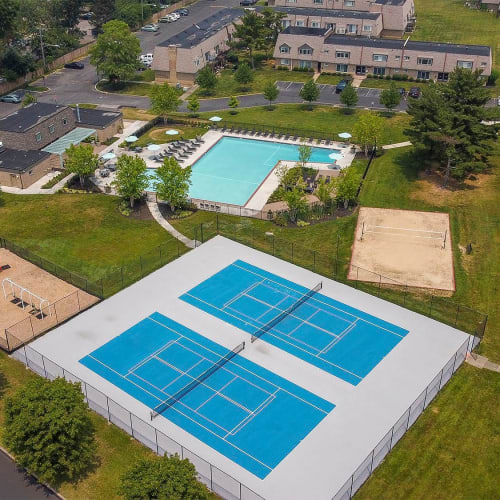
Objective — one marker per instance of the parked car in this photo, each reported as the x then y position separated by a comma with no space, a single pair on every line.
146,57
74,65
183,12
13,98
245,3
86,15
414,92
150,27
402,92
170,18
175,15
341,86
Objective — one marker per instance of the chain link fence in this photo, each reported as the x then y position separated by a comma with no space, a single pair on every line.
218,481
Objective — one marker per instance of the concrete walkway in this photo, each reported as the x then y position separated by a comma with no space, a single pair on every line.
482,362
158,217
397,145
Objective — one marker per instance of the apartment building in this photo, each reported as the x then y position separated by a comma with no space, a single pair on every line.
396,15
320,49
179,58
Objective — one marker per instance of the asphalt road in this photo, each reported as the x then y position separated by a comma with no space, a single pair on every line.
18,485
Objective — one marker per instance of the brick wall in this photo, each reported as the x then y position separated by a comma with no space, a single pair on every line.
25,179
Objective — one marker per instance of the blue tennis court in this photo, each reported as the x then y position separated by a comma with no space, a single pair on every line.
242,410
333,336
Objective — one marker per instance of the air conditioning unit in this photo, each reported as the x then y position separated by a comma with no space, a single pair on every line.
340,31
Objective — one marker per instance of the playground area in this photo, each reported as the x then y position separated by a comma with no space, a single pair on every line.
403,247
32,300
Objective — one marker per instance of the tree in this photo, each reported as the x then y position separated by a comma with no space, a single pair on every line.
28,99
390,97
173,183
367,130
347,185
324,192
250,33
271,93
9,10
103,11
305,153
193,105
349,98
131,177
164,99
244,74
116,52
233,103
206,79
162,478
272,21
16,64
309,92
69,12
296,200
81,161
49,430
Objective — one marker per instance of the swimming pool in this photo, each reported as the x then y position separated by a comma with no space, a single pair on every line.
234,168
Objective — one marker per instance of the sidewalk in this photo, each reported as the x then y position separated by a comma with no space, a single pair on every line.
481,362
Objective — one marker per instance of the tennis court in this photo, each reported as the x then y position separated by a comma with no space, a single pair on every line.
333,336
242,410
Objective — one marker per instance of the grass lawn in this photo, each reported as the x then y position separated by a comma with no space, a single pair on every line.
84,105
85,234
450,21
330,79
130,88
376,83
227,85
322,119
137,114
157,135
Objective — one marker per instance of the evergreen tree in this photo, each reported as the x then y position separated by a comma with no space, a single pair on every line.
103,11
250,33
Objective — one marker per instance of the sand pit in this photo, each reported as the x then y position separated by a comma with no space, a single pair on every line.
61,300
406,247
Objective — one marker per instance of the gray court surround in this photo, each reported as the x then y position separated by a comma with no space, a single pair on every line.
340,453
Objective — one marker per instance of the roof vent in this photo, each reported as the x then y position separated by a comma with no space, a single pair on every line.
2,149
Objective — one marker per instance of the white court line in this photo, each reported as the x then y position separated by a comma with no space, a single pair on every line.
244,292
255,375
215,394
181,373
339,338
320,301
152,355
279,338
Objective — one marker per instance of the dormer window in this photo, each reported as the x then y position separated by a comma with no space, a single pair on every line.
284,49
305,50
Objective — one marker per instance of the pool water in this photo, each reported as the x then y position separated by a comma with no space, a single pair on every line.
232,170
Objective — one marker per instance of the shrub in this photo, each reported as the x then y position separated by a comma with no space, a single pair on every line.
302,223
387,77
492,79
282,68
411,79
232,57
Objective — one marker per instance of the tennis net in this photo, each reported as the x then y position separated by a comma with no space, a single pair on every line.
165,405
282,315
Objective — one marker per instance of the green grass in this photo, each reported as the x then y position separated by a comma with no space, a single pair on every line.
85,234
330,79
451,452
157,135
36,88
324,120
130,88
376,83
148,75
84,105
450,21
59,177
227,85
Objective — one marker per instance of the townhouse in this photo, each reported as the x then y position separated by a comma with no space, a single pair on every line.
322,50
179,58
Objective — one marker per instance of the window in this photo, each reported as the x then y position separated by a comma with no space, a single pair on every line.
284,49
464,64
52,129
318,1
424,61
217,49
38,137
398,58
65,121
305,50
380,57
340,54
367,27
305,64
285,62
207,56
442,77
342,68
285,23
291,1
349,3
379,71
197,62
407,58
299,23
330,26
315,24
423,75
352,28
484,64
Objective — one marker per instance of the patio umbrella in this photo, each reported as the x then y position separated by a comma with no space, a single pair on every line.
345,135
215,119
172,132
131,138
335,156
108,156
154,147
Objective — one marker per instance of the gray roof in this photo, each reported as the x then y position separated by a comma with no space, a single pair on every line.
196,33
25,118
450,48
310,11
390,2
14,160
303,30
100,118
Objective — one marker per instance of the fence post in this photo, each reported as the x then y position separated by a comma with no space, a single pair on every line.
121,272
140,260
404,296
178,248
201,232
292,252
430,306
31,324
78,300
379,283
217,222
314,260
456,316
102,289
44,369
